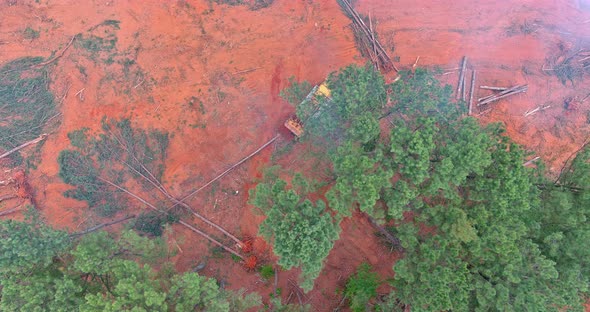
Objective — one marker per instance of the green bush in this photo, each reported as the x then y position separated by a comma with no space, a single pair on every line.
30,33
267,271
361,288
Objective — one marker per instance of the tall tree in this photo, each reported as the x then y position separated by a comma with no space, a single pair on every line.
302,232
467,185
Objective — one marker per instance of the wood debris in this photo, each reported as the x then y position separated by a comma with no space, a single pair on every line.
506,93
18,148
540,108
367,40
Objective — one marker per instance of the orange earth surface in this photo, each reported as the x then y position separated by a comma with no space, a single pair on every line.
235,60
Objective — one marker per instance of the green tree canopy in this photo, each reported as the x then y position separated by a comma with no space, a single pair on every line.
43,270
302,232
468,185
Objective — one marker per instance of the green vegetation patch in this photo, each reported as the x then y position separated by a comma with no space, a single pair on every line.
116,155
26,103
501,236
152,222
43,269
361,288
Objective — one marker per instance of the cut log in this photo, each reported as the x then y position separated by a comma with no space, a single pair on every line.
383,59
461,77
103,225
493,88
473,73
540,108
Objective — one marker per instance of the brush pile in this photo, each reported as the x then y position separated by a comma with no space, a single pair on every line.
570,66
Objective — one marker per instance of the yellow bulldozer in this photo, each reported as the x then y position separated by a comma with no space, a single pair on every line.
293,123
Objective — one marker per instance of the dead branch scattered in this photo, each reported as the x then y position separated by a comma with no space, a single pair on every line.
60,54
392,239
139,84
567,164
297,291
506,93
18,148
569,66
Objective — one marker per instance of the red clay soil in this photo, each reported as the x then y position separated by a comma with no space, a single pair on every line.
235,62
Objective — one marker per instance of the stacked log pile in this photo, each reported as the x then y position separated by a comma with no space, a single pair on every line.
367,39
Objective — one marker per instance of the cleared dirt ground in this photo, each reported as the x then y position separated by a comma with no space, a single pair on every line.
211,75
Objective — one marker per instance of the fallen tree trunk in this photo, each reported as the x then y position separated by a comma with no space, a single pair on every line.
460,85
103,225
9,211
211,239
152,180
473,73
60,54
7,197
20,147
161,188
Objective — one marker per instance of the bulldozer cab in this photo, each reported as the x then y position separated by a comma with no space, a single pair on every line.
293,123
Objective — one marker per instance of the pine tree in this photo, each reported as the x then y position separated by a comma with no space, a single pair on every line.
302,232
